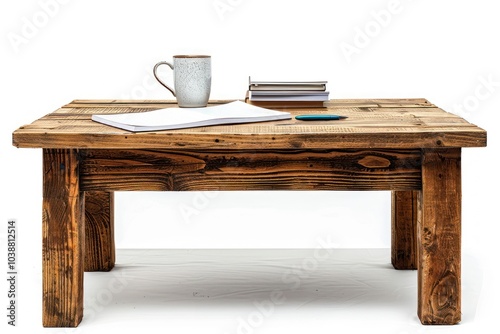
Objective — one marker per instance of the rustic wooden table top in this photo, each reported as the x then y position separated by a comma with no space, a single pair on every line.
371,123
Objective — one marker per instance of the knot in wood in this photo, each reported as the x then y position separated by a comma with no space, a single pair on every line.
372,161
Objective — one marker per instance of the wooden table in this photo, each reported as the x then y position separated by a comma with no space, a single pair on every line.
407,146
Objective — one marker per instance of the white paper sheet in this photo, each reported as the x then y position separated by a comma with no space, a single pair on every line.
178,118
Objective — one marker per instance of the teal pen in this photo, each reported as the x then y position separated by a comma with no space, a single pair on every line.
319,117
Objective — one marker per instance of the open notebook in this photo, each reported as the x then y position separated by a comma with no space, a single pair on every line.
179,118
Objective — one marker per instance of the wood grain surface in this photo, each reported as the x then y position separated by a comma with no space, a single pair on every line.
99,231
439,238
375,123
180,170
63,239
404,229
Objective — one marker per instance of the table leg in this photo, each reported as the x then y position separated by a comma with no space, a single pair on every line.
63,239
439,238
99,231
404,229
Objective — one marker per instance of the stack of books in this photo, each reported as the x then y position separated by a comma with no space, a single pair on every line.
287,94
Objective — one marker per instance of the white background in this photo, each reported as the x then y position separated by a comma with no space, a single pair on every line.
55,51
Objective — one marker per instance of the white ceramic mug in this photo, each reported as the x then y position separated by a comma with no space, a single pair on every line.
192,79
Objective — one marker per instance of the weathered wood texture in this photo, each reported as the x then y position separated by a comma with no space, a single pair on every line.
439,238
404,229
99,231
381,123
408,146
63,239
118,170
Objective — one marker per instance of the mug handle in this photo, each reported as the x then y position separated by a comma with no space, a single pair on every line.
157,78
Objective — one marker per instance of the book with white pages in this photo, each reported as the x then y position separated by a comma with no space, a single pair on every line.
286,85
179,118
288,96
